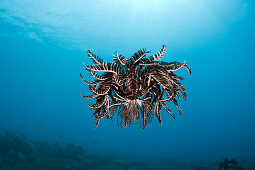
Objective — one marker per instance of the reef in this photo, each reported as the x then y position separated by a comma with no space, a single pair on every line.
229,165
19,153
138,87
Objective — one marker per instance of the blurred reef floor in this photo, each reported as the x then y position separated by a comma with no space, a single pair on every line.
19,153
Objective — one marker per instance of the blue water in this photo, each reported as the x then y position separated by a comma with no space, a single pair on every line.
43,46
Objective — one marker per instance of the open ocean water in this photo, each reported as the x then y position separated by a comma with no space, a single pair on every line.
45,124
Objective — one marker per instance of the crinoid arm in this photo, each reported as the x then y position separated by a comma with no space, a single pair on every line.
134,89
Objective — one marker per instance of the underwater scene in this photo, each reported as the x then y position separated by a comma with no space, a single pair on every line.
127,85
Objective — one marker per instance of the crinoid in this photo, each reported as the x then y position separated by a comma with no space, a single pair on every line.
134,87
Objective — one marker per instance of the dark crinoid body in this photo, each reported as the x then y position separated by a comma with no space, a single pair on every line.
134,88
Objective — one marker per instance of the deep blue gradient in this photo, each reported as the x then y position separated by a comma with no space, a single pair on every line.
43,46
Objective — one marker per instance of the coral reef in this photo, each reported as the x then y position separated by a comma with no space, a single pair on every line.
229,165
19,153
